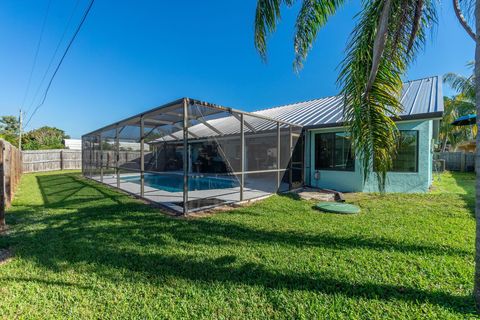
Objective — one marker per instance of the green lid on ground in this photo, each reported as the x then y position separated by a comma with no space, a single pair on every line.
337,207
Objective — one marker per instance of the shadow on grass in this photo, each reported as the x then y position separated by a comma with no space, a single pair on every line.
290,195
466,182
101,223
63,191
46,282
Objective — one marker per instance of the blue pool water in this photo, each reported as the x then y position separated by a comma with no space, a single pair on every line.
174,182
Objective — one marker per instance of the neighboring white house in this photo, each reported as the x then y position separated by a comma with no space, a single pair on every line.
76,144
73,144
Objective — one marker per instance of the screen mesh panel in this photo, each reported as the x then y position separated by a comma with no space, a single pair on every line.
191,155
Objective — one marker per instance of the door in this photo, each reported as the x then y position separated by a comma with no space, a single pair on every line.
296,162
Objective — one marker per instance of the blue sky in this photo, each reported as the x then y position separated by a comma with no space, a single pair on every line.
133,55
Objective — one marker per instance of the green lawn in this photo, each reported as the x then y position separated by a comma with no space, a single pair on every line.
82,250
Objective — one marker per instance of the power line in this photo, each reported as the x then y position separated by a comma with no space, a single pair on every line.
61,60
36,53
53,57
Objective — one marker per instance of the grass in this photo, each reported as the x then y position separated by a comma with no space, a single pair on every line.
82,250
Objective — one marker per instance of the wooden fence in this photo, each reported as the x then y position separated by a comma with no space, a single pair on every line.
457,161
10,172
63,159
50,160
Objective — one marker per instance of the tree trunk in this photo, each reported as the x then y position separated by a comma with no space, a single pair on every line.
476,289
3,193
444,143
461,19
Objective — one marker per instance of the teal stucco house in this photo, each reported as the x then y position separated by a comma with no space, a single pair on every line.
190,155
328,161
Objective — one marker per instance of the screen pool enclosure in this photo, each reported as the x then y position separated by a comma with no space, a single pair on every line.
190,155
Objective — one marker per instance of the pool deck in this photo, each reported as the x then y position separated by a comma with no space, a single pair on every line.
168,199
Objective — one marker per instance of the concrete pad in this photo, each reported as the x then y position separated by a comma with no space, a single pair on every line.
316,194
171,199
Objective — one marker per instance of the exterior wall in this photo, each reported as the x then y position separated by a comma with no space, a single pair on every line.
344,181
352,181
411,182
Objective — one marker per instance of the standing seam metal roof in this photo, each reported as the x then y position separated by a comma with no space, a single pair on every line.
421,99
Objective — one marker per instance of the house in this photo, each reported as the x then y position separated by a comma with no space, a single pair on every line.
467,146
189,155
329,162
73,144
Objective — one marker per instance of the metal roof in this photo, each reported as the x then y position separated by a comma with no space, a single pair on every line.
172,113
421,99
230,125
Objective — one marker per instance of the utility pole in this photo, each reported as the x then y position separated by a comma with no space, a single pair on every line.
20,120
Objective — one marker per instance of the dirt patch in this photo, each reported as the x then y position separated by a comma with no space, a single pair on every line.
5,255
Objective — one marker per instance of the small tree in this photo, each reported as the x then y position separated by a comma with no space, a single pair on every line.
44,138
9,128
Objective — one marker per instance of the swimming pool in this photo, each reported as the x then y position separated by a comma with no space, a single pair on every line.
174,182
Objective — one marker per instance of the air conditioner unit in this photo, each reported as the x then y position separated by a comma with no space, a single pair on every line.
439,165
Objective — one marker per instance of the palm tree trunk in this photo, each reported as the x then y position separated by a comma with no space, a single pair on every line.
444,144
476,290
379,43
461,18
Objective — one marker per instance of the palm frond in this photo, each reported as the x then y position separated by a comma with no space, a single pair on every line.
370,77
462,84
402,24
312,16
267,16
384,42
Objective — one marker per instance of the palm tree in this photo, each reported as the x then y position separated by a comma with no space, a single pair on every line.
456,107
459,105
385,40
463,84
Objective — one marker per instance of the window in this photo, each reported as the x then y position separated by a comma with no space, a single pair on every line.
333,152
407,152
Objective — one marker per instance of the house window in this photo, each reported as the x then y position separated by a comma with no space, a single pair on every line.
333,152
407,152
